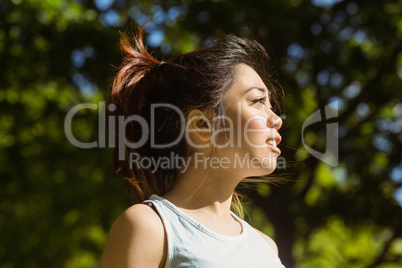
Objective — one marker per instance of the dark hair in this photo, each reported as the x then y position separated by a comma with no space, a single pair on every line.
196,80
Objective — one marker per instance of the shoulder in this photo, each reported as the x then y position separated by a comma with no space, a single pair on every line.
136,239
269,240
137,219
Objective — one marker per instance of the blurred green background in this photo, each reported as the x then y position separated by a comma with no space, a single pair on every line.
58,201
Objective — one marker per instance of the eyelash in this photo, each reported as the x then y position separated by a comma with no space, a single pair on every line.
262,101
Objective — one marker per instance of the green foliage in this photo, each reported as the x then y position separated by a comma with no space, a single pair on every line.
344,247
58,201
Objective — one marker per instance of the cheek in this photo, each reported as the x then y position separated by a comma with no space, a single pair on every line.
254,129
249,120
256,124
253,121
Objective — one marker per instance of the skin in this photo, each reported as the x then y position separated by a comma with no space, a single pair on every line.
137,237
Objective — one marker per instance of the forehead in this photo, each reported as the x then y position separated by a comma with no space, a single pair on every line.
246,79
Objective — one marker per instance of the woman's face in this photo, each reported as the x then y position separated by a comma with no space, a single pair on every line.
252,145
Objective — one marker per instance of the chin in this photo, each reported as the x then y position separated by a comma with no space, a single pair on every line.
268,165
259,172
263,168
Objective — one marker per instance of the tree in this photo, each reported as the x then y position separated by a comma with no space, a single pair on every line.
348,52
58,201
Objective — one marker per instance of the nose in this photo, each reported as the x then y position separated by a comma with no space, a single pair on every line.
274,121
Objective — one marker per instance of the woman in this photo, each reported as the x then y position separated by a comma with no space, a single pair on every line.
194,127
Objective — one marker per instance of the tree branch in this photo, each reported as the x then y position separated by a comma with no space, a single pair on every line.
380,258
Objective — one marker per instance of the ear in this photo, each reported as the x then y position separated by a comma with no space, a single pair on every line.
199,125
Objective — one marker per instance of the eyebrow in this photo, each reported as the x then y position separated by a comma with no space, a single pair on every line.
262,89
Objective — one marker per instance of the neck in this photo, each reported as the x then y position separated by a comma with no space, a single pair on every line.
207,190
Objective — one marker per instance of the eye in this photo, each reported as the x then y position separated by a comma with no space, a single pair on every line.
260,101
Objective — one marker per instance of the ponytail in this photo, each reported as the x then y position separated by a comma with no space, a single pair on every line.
128,95
137,62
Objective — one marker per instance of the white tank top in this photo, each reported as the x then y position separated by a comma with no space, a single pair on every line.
192,244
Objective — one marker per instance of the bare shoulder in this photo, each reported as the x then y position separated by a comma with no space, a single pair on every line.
269,240
136,239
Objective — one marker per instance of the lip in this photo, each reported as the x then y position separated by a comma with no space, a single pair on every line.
276,149
277,139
